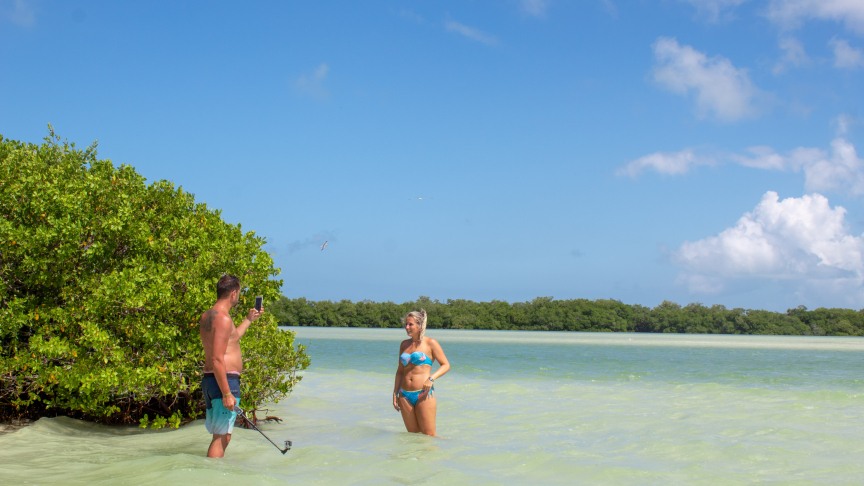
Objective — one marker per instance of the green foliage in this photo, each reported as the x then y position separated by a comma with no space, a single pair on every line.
159,422
102,281
547,314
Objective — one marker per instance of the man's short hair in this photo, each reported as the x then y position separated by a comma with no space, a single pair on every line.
226,285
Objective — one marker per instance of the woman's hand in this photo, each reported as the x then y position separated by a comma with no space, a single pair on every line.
396,402
427,385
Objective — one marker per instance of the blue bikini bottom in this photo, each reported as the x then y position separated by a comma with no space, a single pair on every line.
413,396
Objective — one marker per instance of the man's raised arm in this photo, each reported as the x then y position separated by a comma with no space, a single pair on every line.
251,317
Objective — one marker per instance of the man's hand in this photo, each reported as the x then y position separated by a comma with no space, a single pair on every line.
251,317
253,314
228,401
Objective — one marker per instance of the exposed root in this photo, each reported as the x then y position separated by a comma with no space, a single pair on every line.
244,423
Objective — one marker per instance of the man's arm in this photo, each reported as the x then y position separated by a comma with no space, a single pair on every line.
250,318
222,327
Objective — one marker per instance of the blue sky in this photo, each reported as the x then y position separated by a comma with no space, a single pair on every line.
693,151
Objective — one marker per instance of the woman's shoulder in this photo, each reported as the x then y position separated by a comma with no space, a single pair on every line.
431,341
404,344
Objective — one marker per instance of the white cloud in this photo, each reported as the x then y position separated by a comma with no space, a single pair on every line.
713,8
791,14
762,157
846,56
839,170
18,12
672,163
794,55
471,33
843,171
793,239
313,84
536,8
721,89
842,123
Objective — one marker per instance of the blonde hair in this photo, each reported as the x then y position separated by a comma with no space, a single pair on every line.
419,319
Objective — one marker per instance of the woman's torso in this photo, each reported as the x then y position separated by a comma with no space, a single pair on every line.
416,374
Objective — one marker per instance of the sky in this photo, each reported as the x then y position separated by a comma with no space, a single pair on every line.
646,150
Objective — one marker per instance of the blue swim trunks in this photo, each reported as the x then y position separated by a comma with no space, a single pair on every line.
219,420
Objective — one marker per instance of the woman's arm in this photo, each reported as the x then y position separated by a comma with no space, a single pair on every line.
437,354
400,370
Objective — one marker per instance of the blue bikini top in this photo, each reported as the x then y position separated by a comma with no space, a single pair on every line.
416,358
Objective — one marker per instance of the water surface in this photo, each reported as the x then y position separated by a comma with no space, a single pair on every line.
517,408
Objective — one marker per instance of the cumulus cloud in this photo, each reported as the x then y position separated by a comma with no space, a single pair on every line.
845,56
671,163
313,84
720,89
794,55
791,14
793,239
471,33
842,171
536,8
838,169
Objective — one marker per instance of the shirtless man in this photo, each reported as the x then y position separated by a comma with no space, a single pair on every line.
223,362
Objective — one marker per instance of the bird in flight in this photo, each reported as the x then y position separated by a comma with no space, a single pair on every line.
323,246
419,198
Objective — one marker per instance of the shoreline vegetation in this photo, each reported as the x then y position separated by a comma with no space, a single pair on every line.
547,314
103,277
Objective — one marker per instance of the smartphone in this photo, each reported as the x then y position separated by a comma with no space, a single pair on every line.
259,300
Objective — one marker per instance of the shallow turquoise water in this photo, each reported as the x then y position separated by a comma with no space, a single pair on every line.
517,408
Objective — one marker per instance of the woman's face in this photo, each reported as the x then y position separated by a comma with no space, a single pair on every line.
411,327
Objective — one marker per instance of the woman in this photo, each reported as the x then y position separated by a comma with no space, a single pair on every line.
414,393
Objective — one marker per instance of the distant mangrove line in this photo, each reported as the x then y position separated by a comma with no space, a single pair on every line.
547,314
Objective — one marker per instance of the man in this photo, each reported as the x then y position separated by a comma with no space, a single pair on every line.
223,362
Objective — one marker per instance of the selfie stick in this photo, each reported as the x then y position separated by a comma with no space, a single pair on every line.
241,413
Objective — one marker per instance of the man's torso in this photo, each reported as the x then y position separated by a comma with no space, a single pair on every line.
233,356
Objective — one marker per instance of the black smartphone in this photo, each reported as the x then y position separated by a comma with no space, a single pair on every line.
259,300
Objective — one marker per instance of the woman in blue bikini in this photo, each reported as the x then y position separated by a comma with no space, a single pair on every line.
414,393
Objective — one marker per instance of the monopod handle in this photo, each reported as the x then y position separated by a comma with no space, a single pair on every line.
287,448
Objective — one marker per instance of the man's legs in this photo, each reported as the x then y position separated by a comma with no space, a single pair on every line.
219,421
218,445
